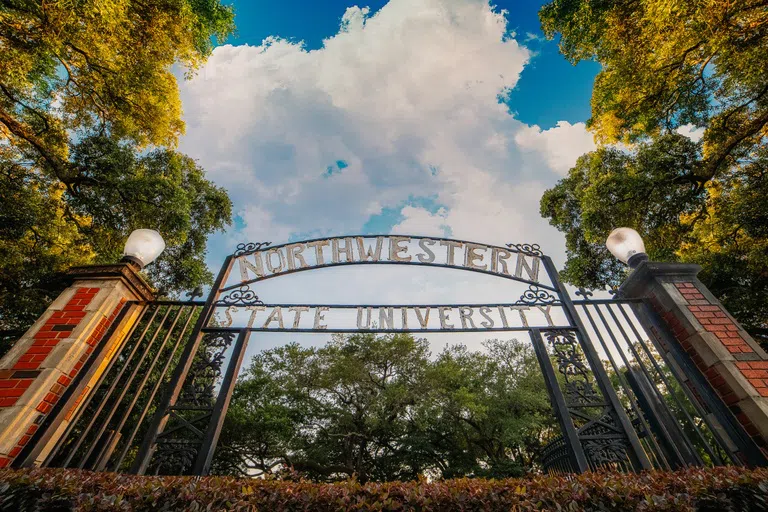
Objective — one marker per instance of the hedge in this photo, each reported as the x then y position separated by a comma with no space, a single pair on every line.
719,489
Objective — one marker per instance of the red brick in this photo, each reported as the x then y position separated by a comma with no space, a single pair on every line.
45,335
710,308
25,383
7,402
32,429
755,374
4,462
763,391
25,366
11,393
44,407
64,380
58,389
8,383
24,440
50,398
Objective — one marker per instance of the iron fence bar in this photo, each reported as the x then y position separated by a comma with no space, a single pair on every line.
109,447
179,302
129,382
155,388
745,444
180,372
208,448
111,389
665,381
586,302
636,453
46,430
625,384
575,451
682,370
672,442
92,394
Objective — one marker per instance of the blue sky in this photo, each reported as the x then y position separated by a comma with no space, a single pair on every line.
539,98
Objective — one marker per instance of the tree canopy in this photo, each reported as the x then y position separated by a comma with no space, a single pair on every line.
89,118
379,408
665,65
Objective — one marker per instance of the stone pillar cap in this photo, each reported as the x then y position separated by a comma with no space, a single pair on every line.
646,271
124,271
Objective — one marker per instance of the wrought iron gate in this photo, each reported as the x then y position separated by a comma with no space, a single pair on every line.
623,400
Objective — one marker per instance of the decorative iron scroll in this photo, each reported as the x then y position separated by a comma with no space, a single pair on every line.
604,442
527,249
180,442
535,296
250,248
242,296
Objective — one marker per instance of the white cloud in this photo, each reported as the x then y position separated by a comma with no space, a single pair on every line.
560,146
692,132
407,100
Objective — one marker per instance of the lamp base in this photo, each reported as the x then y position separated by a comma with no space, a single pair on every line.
635,260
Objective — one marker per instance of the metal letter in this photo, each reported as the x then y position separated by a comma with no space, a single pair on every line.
280,258
395,248
532,270
503,316
347,250
465,314
297,314
444,310
470,256
547,314
423,320
498,260
423,243
294,253
488,322
451,245
228,313
319,316
318,245
360,318
386,316
255,310
374,255
520,310
246,265
276,314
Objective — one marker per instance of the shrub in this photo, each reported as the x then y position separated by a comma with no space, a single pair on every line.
718,489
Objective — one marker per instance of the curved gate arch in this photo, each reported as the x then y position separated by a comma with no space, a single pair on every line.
596,430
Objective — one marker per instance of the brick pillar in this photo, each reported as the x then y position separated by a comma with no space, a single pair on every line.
733,363
41,365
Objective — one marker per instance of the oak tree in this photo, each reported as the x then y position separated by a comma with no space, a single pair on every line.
89,119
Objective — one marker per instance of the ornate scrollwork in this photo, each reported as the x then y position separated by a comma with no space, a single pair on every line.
603,440
178,446
206,369
527,249
535,296
583,292
242,296
245,249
